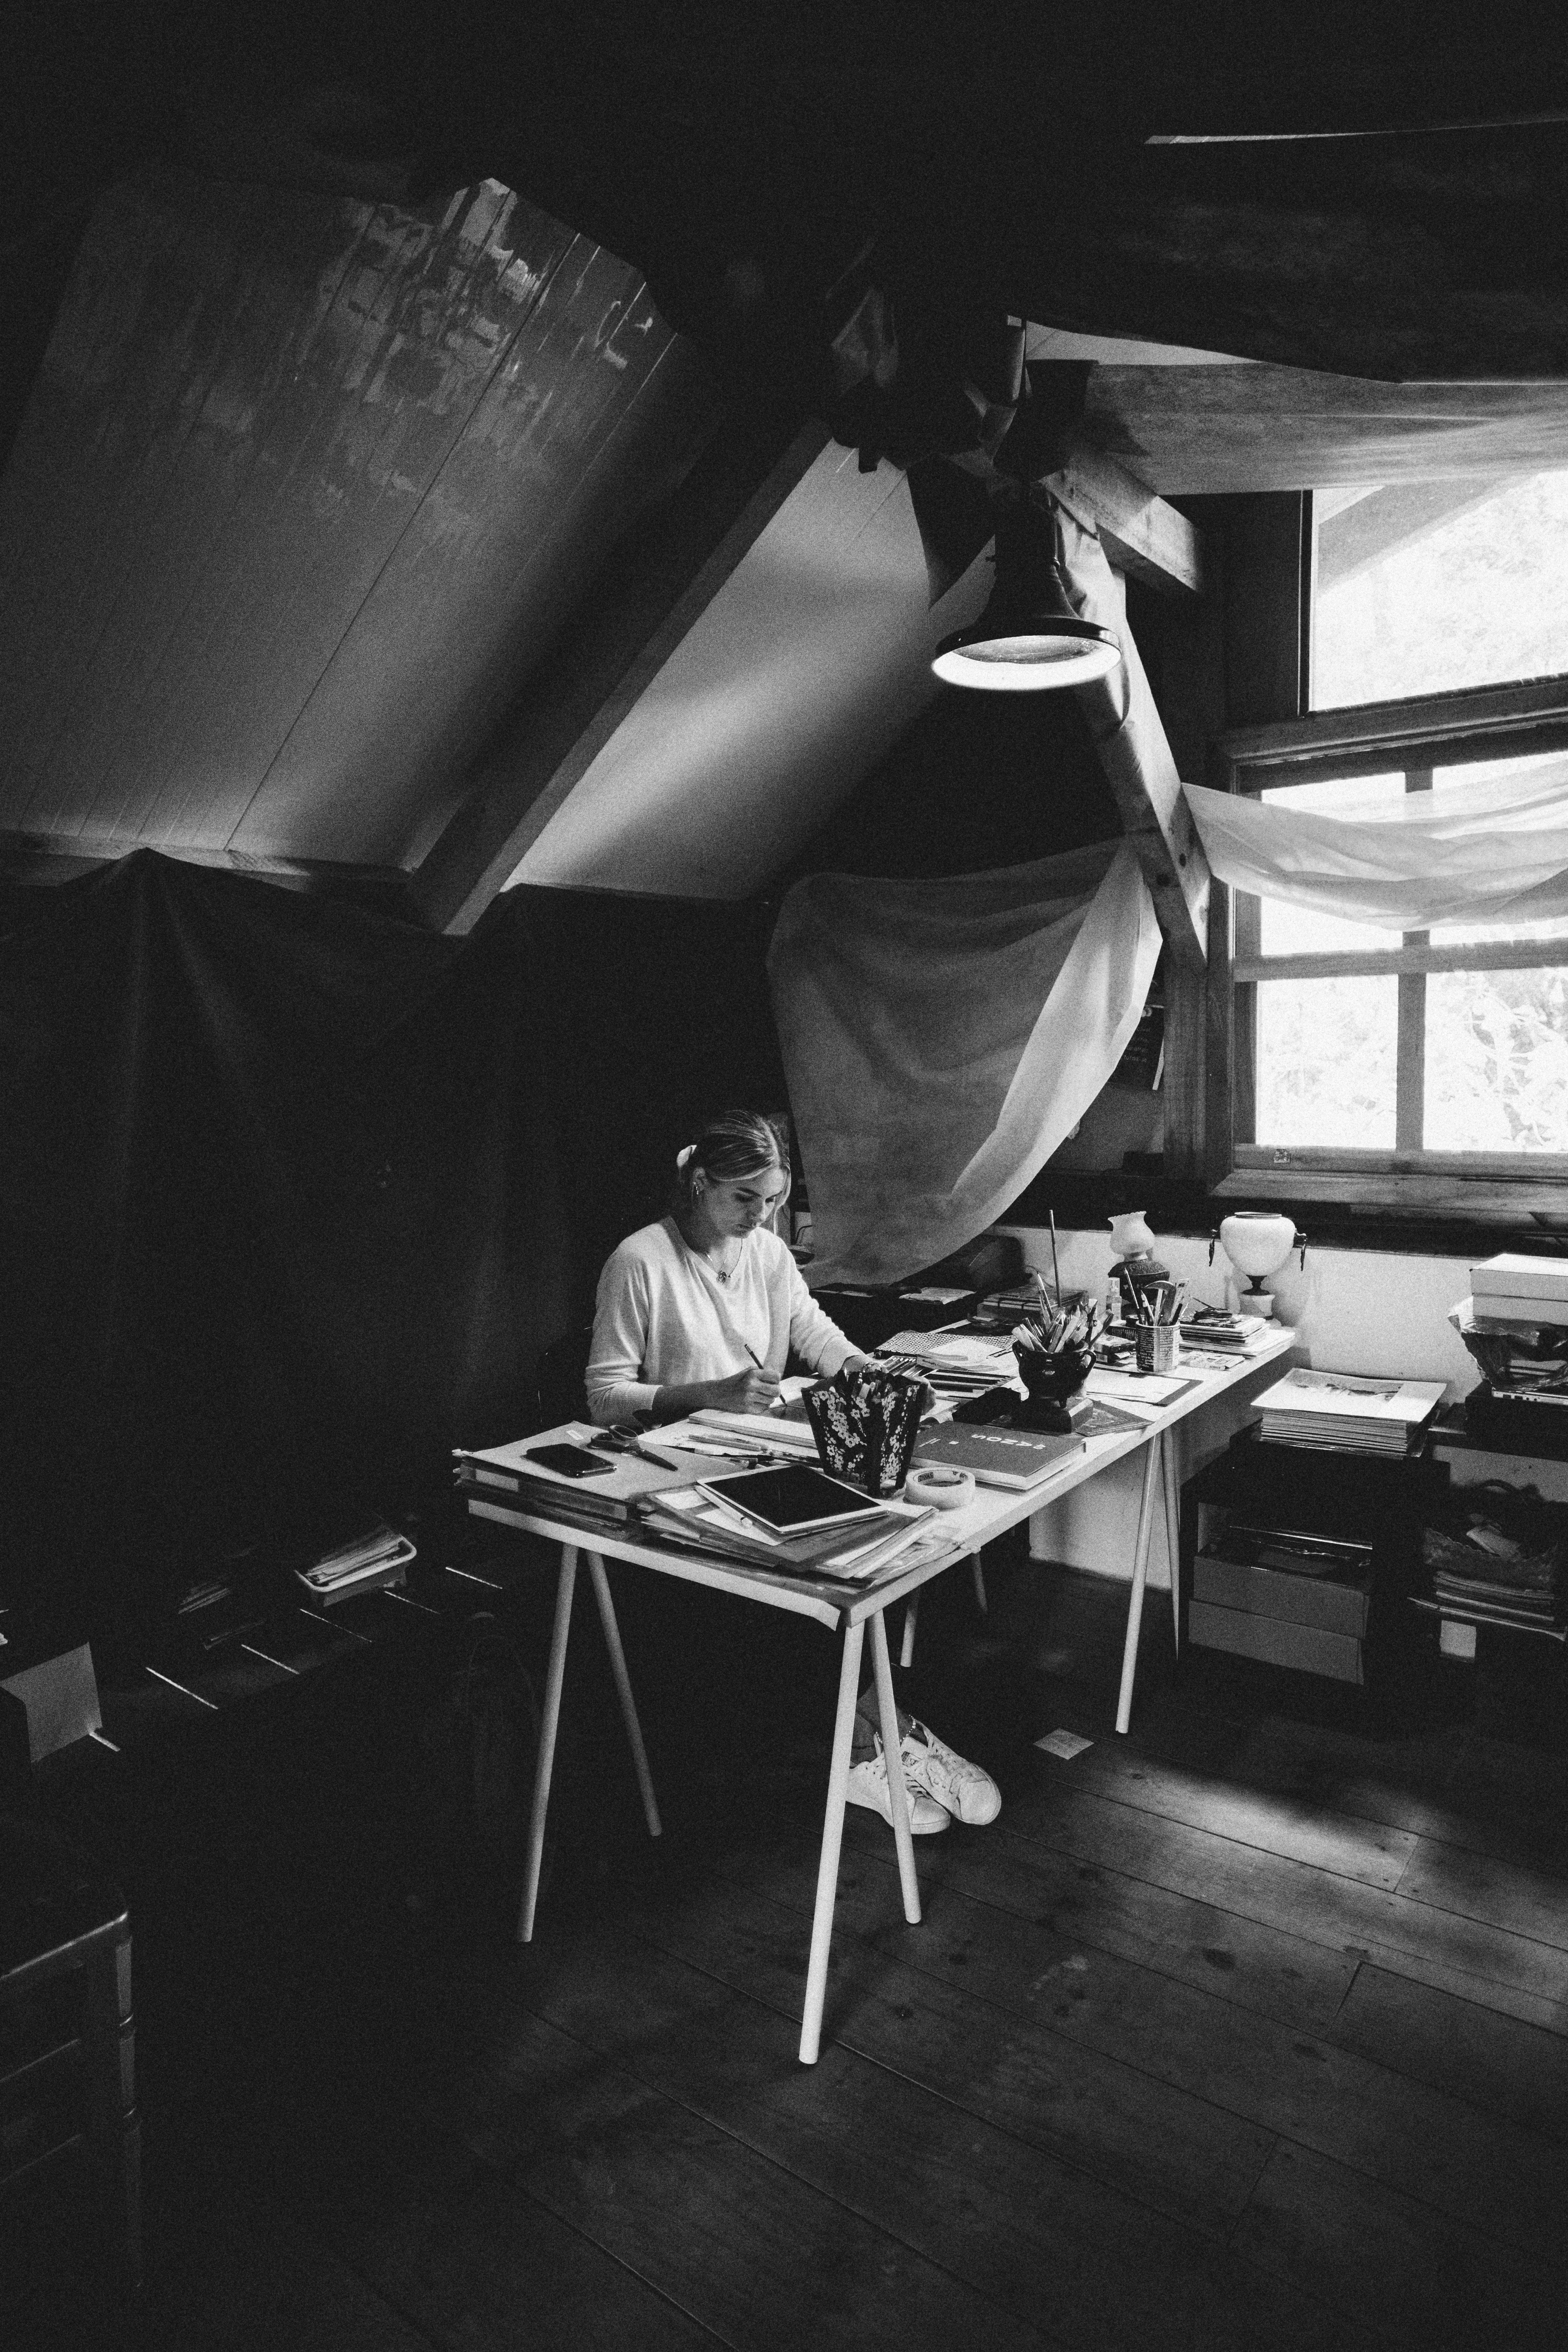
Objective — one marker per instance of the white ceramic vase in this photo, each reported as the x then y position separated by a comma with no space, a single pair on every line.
1257,1243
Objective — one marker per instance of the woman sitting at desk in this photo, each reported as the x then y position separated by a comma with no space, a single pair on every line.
704,1308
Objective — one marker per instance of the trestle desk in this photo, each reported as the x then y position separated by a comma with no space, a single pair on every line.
848,1610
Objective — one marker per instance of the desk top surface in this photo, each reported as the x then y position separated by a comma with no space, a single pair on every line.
994,1511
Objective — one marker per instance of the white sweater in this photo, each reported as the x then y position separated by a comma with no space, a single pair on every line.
663,1319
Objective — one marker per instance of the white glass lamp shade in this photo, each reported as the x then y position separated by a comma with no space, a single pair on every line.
1257,1242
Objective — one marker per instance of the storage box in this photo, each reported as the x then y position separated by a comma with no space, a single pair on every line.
1276,1639
1511,1274
1335,1604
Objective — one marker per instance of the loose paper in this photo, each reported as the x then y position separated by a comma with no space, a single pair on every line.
1065,1744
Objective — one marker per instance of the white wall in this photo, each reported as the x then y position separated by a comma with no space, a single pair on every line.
1352,1310
789,687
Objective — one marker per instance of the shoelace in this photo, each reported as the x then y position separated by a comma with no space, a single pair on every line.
948,1758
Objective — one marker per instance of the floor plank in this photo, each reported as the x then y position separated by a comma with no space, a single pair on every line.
1260,1966
739,2242
1175,2150
1531,1903
1277,1820
452,2243
1314,1904
1451,1784
1410,2134
1424,2282
1498,2064
1032,2231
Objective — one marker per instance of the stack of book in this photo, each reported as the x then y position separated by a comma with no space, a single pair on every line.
1515,1293
997,1456
379,1556
1345,1413
1494,1577
695,1520
1227,1335
511,1477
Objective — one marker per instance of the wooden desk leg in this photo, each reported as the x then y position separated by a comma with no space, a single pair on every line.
1167,1444
911,1618
547,1730
1139,1577
892,1745
832,1840
623,1687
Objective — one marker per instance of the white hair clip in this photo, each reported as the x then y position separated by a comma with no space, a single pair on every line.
684,1154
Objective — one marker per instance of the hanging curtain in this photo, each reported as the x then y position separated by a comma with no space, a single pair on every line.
940,1038
1493,850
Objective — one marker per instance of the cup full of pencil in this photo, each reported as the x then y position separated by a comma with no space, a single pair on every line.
1054,1350
1156,1333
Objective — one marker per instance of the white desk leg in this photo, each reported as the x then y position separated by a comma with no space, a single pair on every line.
1167,1444
888,1707
623,1687
832,1840
1139,1577
911,1618
547,1730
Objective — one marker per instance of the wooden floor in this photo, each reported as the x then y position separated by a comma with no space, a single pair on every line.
1239,2033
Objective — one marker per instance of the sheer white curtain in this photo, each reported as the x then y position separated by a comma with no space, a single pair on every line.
940,1038
1492,849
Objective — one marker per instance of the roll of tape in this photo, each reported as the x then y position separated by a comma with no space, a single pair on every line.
945,1490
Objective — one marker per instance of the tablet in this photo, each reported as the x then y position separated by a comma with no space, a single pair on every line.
792,1500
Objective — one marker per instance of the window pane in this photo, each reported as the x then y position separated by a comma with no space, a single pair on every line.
1546,765
1497,1061
1423,585
1284,929
1325,1062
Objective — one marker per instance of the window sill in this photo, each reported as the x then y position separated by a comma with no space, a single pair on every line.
1481,1199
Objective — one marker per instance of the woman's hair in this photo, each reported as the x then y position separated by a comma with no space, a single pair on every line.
730,1145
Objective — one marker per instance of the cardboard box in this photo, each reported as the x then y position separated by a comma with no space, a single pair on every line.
1336,1604
1275,1640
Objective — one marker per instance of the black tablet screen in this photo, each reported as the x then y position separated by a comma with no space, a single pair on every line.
792,1499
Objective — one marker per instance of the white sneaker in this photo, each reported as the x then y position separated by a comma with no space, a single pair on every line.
960,1788
869,1786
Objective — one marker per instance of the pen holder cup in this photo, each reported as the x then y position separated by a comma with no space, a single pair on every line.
1159,1346
1052,1381
865,1429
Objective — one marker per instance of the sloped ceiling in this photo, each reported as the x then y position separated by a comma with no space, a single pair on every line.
368,515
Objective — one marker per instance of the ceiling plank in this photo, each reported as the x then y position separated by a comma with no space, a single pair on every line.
659,585
1141,531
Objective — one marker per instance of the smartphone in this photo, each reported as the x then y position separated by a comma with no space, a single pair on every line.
571,1461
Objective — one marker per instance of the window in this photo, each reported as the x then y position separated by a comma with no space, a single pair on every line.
1418,587
1422,1069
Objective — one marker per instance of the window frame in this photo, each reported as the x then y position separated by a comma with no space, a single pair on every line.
1413,732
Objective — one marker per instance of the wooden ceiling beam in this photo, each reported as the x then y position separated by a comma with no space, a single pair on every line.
1138,530
1134,751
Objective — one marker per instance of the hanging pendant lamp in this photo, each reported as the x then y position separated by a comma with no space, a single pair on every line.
1029,637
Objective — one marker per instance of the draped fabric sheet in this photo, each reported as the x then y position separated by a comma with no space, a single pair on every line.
939,1039
295,1192
1492,850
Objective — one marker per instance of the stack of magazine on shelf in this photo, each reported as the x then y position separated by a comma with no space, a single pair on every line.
1347,1412
378,1556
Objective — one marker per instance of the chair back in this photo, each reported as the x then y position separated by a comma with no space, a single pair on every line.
561,1379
